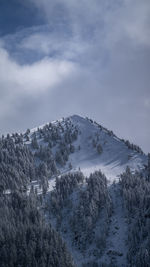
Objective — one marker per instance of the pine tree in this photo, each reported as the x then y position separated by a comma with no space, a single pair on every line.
34,142
99,149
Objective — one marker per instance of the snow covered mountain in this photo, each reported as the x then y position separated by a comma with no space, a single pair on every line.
115,154
81,191
97,148
95,235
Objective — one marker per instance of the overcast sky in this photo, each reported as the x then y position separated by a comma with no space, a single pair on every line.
86,57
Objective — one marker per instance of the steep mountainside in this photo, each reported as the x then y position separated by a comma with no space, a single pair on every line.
95,148
77,194
114,156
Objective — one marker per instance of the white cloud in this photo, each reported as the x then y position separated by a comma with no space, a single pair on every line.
53,45
109,19
36,77
17,81
95,61
137,21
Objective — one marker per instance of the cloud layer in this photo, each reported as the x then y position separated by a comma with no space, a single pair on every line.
88,58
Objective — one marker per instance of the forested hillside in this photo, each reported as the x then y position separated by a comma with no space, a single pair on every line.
135,189
73,194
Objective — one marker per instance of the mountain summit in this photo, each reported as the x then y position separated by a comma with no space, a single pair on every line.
79,191
95,147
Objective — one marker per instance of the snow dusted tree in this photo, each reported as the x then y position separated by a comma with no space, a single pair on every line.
83,215
59,158
70,165
34,142
136,192
92,201
25,238
99,149
42,174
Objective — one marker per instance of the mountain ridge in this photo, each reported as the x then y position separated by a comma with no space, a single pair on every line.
116,153
91,187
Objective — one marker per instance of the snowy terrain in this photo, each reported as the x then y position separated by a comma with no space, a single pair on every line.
116,248
114,158
87,184
112,161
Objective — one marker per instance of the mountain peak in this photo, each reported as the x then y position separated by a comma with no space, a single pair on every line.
95,146
76,117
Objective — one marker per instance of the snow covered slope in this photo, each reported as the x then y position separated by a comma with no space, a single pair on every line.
115,154
73,144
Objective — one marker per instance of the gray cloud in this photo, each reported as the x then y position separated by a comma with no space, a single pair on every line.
89,58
